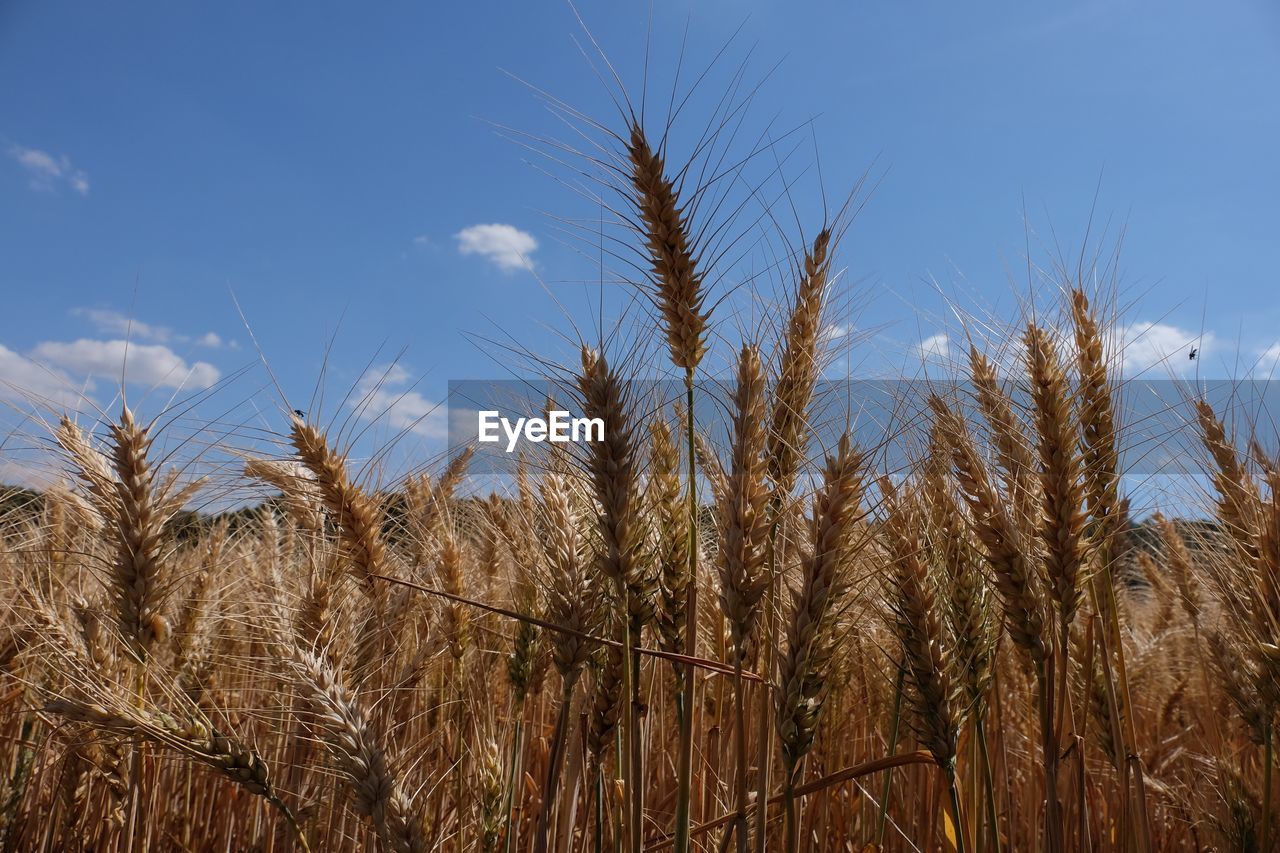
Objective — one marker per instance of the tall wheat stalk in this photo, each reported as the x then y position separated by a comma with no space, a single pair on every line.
1100,451
788,445
677,280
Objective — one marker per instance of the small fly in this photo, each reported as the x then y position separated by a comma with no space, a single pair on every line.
303,414
1191,356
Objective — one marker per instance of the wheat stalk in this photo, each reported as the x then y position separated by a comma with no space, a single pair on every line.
928,666
614,472
810,641
571,603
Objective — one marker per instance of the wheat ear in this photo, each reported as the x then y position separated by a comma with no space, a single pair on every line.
137,574
346,731
674,264
194,739
359,529
671,539
354,512
798,368
1005,549
1237,495
743,525
919,628
743,529
1062,520
1008,437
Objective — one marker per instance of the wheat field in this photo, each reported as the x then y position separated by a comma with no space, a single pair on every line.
661,641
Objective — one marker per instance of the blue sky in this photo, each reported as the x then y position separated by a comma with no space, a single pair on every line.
328,164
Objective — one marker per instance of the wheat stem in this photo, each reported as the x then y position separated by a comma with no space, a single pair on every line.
685,700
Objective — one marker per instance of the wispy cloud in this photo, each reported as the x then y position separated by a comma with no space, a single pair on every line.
114,323
111,322
147,364
46,172
506,246
384,394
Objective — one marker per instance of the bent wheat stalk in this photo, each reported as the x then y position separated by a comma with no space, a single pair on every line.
346,731
194,739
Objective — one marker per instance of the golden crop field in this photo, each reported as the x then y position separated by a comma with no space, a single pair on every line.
657,640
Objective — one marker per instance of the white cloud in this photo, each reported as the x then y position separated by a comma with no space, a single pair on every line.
1268,364
23,379
387,375
381,395
47,172
934,348
147,364
212,340
833,332
1160,347
505,245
